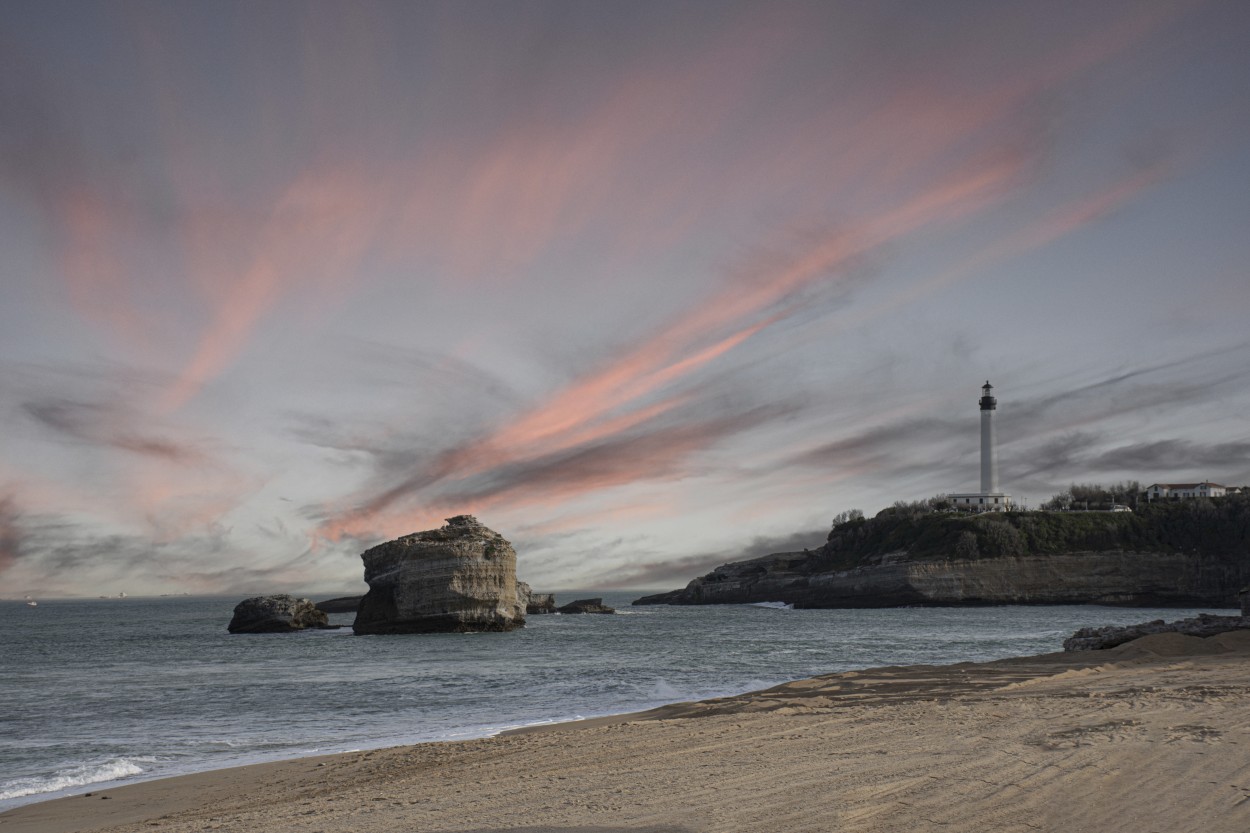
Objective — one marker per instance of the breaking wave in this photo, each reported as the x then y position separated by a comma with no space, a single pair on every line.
75,776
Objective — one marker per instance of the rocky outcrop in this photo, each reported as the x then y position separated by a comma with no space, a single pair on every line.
586,606
343,604
278,613
1096,639
1245,601
523,594
461,577
895,579
540,603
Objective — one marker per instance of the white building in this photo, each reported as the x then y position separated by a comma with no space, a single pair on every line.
1183,491
989,499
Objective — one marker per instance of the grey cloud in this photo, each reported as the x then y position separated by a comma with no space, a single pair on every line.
73,557
655,451
1182,457
1065,453
11,537
881,443
450,402
1205,379
101,425
665,572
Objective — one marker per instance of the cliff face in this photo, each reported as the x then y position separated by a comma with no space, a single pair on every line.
1128,578
461,577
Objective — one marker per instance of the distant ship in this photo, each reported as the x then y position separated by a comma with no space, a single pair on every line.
121,595
31,602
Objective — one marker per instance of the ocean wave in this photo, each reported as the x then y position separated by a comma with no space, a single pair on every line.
81,775
773,605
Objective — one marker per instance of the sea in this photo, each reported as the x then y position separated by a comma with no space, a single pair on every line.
102,692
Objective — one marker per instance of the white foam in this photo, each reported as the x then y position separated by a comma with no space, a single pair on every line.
773,605
115,769
664,692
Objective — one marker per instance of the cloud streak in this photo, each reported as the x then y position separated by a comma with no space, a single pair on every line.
108,426
667,571
622,395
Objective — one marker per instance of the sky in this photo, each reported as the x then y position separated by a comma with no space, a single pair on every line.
645,286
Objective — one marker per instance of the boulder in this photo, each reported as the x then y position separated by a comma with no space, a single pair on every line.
540,603
1204,624
586,606
458,578
278,613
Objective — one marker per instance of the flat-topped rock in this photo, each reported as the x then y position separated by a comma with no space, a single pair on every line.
277,613
540,603
586,606
458,578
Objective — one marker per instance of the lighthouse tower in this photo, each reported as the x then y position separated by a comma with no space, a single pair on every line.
989,499
989,466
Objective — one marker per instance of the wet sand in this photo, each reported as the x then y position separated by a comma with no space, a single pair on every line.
1151,736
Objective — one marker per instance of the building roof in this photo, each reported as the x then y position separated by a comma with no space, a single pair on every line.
1185,485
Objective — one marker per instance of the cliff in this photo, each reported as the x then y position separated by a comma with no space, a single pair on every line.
1169,555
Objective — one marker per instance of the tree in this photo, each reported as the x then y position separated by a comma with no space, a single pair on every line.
966,546
846,517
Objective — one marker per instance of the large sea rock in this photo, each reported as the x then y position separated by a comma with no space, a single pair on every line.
278,613
458,578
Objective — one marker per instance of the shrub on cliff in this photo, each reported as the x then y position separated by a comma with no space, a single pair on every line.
1218,527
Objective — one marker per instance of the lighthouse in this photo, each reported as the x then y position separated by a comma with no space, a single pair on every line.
989,499
989,466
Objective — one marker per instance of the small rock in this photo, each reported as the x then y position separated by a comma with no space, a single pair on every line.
278,613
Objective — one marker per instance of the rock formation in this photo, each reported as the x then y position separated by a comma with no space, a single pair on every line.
461,577
278,613
1095,639
586,606
1115,578
1244,595
540,603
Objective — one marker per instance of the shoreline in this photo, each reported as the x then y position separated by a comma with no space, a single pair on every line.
1162,710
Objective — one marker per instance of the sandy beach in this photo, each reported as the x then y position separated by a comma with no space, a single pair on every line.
1151,736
